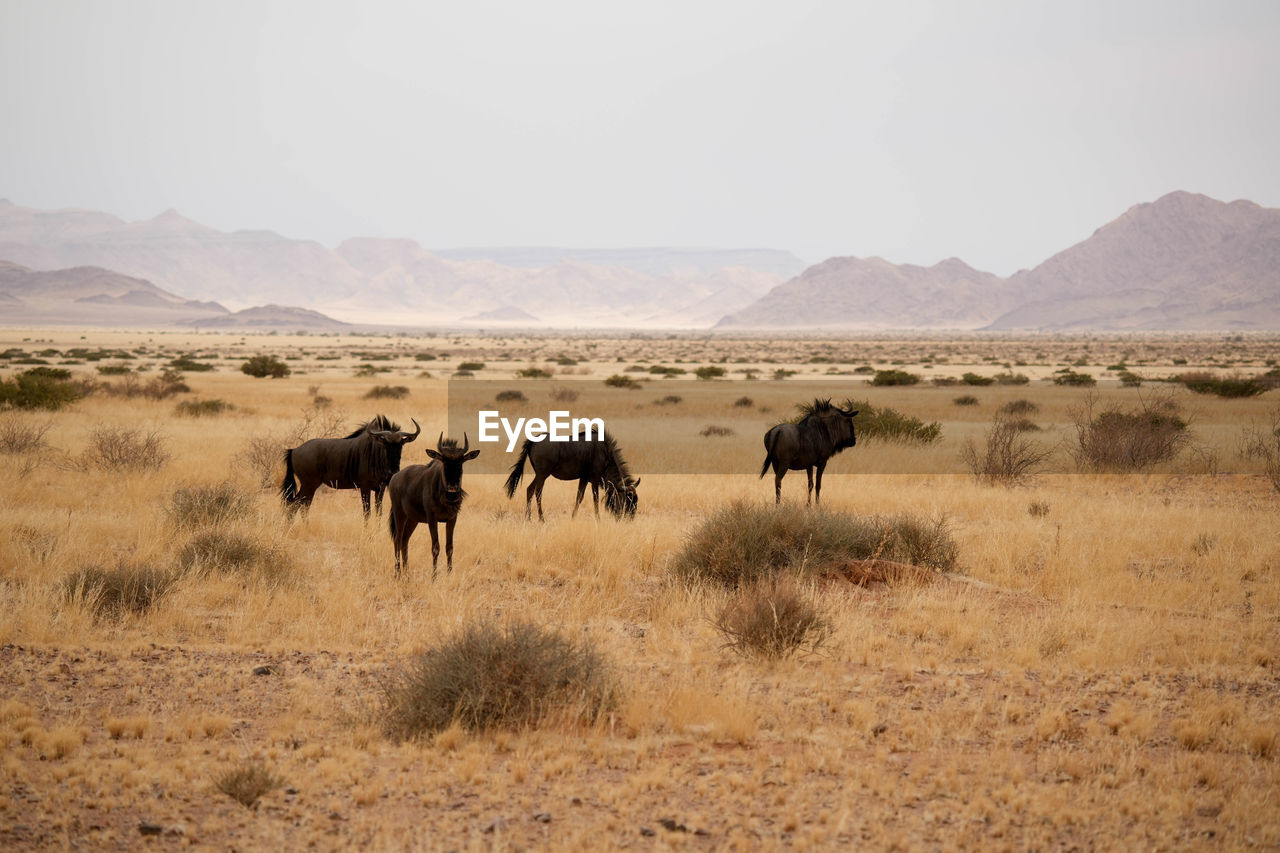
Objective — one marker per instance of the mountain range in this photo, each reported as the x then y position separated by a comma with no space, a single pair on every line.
1184,261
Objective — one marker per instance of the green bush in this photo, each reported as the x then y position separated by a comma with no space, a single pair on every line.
1011,379
387,392
471,365
710,371
1073,379
114,369
486,677
533,373
966,400
511,396
975,379
888,424
39,388
894,377
261,366
617,380
663,370
745,543
190,365
1227,386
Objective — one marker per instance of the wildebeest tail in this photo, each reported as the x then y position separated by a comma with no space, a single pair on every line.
517,470
391,523
289,488
770,439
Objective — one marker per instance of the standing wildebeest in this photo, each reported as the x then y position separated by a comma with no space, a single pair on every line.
364,460
587,460
823,432
429,493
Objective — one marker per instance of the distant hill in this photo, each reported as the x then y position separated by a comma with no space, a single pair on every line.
1182,262
396,281
92,296
1185,261
273,317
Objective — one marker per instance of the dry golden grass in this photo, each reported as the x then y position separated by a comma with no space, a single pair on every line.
1100,674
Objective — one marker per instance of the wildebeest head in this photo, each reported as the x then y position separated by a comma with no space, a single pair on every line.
835,422
392,437
451,456
622,500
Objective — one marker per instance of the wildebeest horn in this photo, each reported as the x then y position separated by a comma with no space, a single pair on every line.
416,429
440,442
466,443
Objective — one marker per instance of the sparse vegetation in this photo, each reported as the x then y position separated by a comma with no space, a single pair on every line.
1007,457
966,400
533,373
19,435
211,504
1224,386
1076,380
976,379
202,408
617,380
710,371
511,396
38,388
513,677
716,431
110,593
1117,439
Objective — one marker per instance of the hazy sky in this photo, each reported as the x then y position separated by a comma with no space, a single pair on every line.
999,132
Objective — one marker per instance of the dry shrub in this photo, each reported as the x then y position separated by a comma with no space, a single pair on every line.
167,384
1224,386
1007,456
19,436
1021,408
1262,442
202,408
1128,439
715,431
119,591
487,677
966,400
247,783
196,506
39,544
744,403
772,619
41,388
263,454
511,396
745,543
669,400
125,449
564,395
217,550
387,392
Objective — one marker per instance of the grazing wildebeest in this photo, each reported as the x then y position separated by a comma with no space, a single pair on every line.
824,431
588,460
429,493
364,460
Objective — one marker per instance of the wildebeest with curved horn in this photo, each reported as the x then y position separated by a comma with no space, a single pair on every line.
588,460
429,493
822,432
364,460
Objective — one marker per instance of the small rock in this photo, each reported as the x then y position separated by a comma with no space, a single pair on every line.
646,832
575,801
671,826
176,830
498,824
150,828
543,817
291,791
265,669
879,729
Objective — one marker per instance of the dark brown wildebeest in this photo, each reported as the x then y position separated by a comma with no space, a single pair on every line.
588,460
824,431
364,460
429,494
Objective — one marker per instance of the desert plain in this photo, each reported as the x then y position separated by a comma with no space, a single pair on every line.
1096,669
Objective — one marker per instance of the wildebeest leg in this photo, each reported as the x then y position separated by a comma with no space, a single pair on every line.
377,500
364,502
817,492
582,489
595,498
404,529
778,473
435,546
448,542
535,490
809,497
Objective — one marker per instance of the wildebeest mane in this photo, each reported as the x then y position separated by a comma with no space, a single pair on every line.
616,462
381,422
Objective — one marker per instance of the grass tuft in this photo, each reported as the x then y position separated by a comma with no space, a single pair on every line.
491,677
772,619
213,504
119,591
247,783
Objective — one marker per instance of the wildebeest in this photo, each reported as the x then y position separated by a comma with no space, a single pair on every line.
588,460
429,493
364,460
824,431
